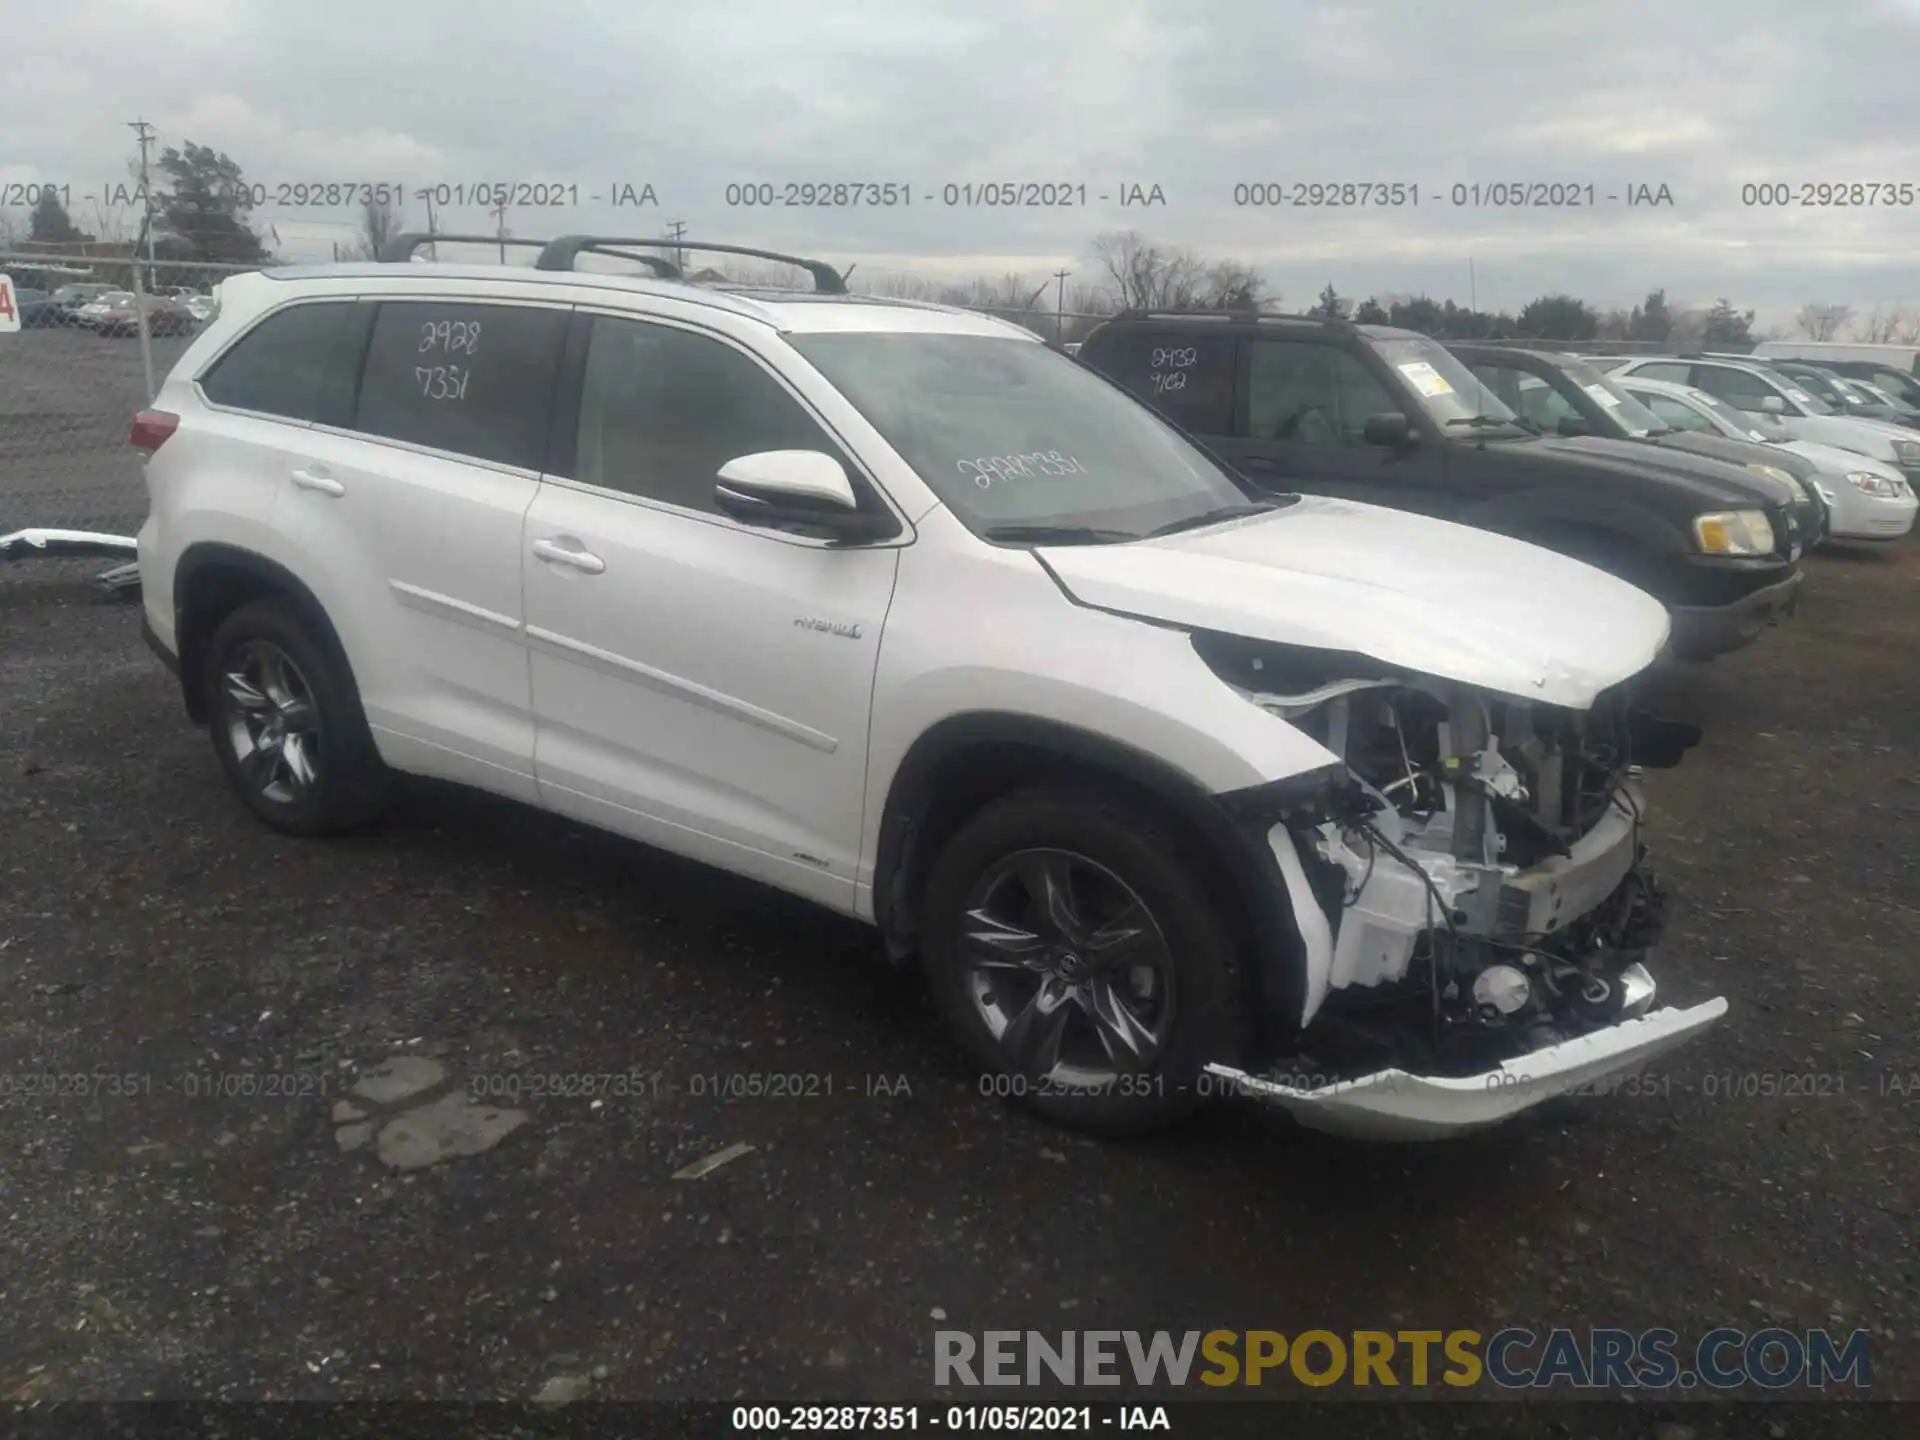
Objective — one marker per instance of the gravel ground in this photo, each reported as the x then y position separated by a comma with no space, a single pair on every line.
182,1232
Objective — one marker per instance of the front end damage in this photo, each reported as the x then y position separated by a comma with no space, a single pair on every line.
1476,918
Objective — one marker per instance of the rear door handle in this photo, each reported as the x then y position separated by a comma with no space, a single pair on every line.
320,481
561,555
1256,462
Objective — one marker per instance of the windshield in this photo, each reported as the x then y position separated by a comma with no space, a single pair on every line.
1832,391
1446,389
1013,436
1904,388
1639,420
1799,393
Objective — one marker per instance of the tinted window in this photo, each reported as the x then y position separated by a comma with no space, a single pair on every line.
280,365
1739,388
661,410
473,379
1310,393
1675,373
1187,378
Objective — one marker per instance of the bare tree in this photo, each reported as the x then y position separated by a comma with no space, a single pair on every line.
1908,331
1822,322
1232,285
379,223
1148,276
894,286
1879,327
1689,330
9,230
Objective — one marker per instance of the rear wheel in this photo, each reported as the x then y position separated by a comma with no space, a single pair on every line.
1087,970
287,725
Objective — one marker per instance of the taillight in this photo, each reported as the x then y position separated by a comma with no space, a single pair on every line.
152,427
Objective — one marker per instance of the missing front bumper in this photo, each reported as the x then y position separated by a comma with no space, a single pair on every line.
1395,1105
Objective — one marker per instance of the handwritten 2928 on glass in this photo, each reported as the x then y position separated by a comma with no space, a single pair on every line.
442,340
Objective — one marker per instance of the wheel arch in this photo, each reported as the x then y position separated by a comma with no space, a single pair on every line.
211,581
964,762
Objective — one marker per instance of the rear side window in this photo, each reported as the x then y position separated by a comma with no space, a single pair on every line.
474,379
1187,378
280,366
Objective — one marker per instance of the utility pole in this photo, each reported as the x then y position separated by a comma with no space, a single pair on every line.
499,213
677,228
145,132
1060,308
425,193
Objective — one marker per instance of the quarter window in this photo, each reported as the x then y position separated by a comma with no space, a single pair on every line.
280,367
1188,378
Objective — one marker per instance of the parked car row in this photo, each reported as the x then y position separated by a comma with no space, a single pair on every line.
1708,513
107,310
1180,772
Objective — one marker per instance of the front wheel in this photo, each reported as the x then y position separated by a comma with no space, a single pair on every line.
1086,969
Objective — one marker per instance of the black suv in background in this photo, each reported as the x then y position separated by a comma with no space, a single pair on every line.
1390,417
1561,394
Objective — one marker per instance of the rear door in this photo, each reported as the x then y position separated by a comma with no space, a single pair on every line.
1304,404
409,507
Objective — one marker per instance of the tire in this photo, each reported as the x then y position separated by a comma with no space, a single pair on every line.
323,774
1192,1009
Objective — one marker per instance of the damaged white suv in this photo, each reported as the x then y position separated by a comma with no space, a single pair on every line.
1176,791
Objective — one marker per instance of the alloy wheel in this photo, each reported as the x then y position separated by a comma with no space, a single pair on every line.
271,722
1068,969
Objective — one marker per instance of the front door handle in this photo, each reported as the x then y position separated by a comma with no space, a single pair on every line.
320,481
1256,462
561,555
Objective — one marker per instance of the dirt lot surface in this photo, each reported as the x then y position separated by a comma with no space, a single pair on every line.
192,1219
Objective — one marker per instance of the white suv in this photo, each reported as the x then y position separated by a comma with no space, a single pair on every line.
1174,790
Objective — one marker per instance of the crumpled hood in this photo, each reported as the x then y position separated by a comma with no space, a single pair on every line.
1411,592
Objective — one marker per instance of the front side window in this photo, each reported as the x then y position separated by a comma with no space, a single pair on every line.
1310,393
474,379
1008,433
1741,389
280,366
662,409
1677,415
1660,370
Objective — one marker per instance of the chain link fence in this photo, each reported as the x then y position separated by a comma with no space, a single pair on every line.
82,364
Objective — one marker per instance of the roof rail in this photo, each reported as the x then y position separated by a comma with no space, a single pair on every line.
400,249
1197,312
559,255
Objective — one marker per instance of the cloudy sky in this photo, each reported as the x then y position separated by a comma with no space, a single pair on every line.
1196,98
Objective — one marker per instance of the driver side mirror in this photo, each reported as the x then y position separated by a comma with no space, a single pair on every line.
1390,429
807,489
1573,425
1774,405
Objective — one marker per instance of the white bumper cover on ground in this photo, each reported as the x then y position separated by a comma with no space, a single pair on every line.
1394,1105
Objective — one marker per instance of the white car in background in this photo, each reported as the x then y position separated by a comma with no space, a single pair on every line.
1868,500
1755,389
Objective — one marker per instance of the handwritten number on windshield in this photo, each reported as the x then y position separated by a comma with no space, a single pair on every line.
990,470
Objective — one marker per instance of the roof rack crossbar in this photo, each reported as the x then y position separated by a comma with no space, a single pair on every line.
559,255
401,248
